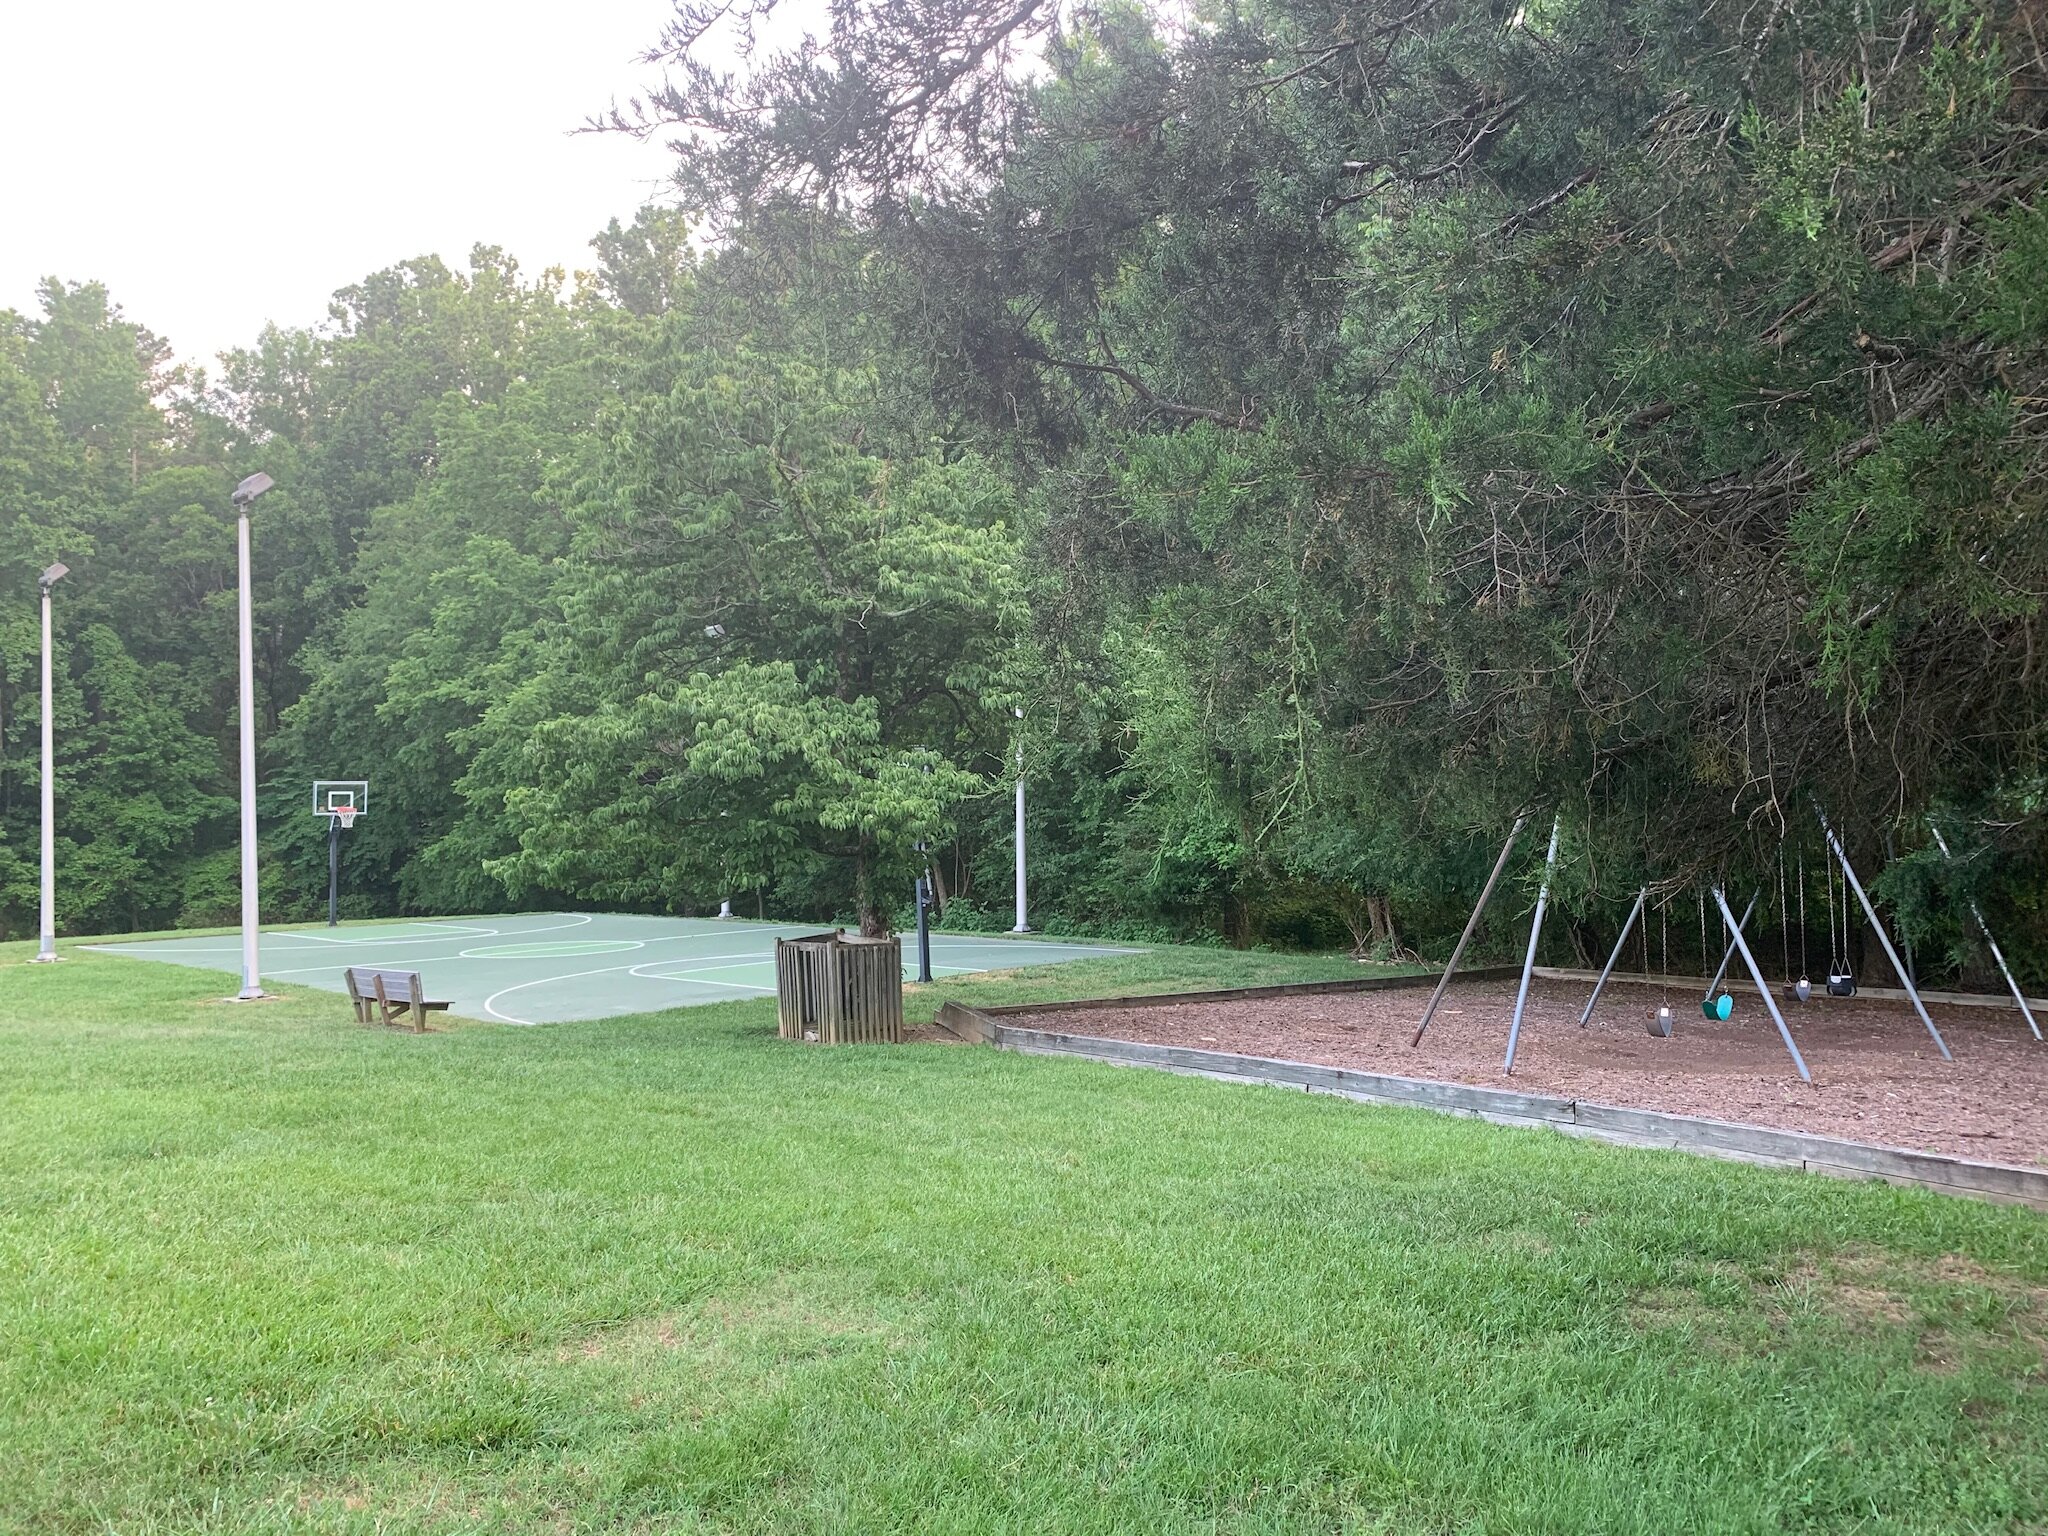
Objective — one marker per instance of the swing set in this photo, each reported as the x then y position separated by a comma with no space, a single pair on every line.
1716,1002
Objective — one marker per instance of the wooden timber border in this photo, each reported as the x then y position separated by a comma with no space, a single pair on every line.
1502,1106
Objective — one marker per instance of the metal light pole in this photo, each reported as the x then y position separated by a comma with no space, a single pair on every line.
47,950
245,493
1023,925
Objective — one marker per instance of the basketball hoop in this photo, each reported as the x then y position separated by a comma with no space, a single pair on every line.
341,801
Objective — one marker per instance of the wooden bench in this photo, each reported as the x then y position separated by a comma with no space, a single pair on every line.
389,994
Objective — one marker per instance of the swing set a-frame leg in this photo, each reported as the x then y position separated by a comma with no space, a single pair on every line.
1633,913
2026,1011
1876,927
1471,925
1535,934
1729,953
1756,975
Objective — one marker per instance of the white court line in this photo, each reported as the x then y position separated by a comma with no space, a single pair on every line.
614,947
607,970
509,933
181,947
489,933
641,973
310,970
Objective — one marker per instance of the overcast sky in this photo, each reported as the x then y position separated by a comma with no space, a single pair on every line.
220,163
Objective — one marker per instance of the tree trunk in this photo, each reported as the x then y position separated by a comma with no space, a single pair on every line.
874,923
1376,937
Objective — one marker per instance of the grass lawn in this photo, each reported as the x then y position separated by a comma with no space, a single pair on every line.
264,1270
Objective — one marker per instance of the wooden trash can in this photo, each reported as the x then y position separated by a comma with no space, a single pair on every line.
836,989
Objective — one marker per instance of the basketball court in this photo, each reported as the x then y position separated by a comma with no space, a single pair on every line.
555,967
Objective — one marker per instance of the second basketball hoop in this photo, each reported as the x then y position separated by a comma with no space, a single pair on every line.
341,801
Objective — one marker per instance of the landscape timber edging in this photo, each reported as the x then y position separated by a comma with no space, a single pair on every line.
1729,1139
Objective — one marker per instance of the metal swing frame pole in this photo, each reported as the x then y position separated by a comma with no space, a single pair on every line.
1756,975
1471,926
1633,912
1535,933
1876,927
1729,953
1984,928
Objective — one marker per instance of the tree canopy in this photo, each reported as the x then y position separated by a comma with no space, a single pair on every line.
1339,427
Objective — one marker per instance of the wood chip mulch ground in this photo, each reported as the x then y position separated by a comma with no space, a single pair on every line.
1877,1076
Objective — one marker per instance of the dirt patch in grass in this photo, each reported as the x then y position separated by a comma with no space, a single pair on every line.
1954,1308
1877,1076
781,1321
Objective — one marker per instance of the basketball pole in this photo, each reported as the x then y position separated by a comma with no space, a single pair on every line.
333,870
924,922
245,493
46,950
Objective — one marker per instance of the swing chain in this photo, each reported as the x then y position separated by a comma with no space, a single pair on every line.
1664,945
1784,918
1802,915
1702,895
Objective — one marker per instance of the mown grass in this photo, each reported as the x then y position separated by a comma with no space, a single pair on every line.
267,1271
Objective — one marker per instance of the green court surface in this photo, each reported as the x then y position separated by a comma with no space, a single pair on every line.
553,967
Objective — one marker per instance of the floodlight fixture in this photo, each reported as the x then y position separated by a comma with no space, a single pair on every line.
53,575
714,631
251,488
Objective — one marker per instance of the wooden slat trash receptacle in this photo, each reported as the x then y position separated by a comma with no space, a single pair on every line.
839,989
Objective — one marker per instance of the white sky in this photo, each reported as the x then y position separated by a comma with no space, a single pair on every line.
220,163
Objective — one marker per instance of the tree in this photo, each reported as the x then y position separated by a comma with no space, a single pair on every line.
1617,408
791,646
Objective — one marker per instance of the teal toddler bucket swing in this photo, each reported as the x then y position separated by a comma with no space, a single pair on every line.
1715,1008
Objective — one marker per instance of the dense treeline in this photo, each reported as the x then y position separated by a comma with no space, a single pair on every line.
1339,428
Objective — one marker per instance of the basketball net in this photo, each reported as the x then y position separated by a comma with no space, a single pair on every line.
345,815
